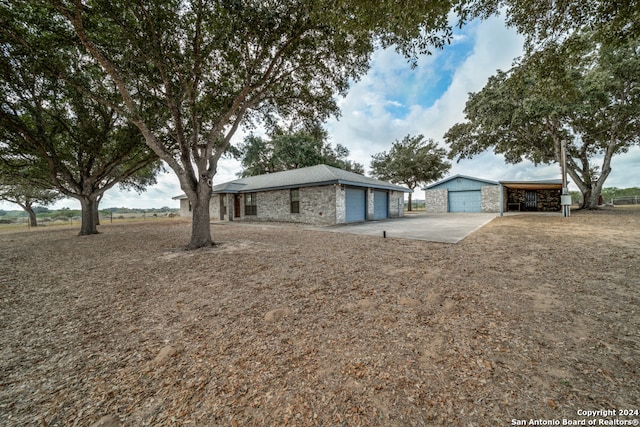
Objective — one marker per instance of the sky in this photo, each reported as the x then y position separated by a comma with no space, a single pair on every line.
392,101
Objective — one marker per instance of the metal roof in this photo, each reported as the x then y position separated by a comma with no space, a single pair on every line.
486,181
544,182
533,185
303,177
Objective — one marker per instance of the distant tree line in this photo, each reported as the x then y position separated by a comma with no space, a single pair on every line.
43,212
629,195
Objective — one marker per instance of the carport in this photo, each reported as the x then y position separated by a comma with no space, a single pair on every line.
530,196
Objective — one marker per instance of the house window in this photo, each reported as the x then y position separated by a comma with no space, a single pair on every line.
250,205
295,200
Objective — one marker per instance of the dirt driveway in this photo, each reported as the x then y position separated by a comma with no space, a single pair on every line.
528,318
444,228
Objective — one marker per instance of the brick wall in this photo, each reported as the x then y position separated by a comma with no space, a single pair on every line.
370,204
436,200
396,204
490,198
323,205
317,206
340,204
185,212
214,208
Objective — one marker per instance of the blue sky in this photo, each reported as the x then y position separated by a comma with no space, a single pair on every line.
393,100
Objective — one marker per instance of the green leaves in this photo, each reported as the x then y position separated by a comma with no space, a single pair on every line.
582,91
545,22
61,122
292,150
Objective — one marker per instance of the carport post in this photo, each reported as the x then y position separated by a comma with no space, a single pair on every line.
501,200
565,200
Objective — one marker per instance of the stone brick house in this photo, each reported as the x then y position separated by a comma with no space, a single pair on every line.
462,193
321,195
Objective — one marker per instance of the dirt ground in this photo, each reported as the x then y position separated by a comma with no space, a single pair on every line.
529,318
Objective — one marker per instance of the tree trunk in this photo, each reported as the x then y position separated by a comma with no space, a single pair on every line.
586,197
200,224
33,220
596,188
88,226
97,208
96,214
594,198
410,209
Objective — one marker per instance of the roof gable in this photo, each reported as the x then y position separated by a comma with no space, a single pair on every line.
461,182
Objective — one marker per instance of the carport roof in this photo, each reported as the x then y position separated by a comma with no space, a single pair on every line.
549,184
303,177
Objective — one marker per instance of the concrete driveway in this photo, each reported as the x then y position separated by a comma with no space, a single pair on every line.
445,228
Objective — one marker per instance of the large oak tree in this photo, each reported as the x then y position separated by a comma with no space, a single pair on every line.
583,93
52,135
19,186
205,68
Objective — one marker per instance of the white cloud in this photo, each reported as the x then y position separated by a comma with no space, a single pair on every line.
367,127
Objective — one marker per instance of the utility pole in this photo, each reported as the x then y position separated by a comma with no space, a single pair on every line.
565,198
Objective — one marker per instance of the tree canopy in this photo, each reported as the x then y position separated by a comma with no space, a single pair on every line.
48,126
292,150
190,73
412,162
543,22
582,93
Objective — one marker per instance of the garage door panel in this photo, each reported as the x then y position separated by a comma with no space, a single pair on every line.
380,204
465,201
355,204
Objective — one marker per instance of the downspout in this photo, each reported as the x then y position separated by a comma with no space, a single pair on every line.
501,200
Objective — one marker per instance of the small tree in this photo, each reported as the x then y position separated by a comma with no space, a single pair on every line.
412,162
24,193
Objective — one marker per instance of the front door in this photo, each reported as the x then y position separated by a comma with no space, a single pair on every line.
223,206
531,200
236,206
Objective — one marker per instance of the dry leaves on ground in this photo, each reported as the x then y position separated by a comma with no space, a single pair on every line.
529,317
